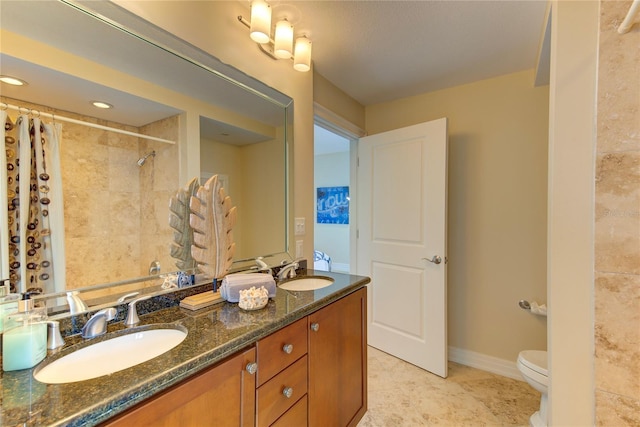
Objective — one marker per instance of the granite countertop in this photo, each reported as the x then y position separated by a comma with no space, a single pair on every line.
213,334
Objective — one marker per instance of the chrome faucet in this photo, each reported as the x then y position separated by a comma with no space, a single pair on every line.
76,305
97,324
288,271
263,267
54,337
124,297
132,314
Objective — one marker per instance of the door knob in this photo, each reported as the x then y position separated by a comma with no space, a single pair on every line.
436,259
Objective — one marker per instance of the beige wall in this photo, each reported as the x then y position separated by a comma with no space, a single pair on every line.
264,164
252,171
617,222
497,206
326,95
225,159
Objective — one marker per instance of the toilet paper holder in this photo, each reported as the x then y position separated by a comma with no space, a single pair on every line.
533,307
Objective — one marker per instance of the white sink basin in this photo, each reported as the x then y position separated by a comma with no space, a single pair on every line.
109,356
306,284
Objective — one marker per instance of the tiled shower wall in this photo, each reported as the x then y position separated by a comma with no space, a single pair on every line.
617,227
116,212
159,181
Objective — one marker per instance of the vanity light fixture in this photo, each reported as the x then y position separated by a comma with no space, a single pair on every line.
13,81
282,47
100,104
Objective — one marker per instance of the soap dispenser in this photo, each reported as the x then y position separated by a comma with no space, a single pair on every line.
8,301
24,341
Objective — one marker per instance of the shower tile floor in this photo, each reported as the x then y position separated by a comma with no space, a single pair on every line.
401,394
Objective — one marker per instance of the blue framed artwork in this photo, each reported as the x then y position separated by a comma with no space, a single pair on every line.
332,205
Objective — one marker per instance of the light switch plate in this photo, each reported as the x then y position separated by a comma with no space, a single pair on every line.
299,231
299,245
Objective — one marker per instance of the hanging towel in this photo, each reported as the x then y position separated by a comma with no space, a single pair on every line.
232,284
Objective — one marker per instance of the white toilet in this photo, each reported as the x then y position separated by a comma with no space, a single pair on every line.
533,367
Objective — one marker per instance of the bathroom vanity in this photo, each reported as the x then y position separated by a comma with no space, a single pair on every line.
299,361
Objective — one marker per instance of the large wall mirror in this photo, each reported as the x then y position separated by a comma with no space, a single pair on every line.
109,221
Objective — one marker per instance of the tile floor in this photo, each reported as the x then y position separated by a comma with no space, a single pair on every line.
400,394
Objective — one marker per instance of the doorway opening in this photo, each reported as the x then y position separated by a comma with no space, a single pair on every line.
335,157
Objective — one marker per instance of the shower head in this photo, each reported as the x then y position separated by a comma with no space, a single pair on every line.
144,159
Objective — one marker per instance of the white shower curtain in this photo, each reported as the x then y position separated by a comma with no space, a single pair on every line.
32,234
4,214
53,132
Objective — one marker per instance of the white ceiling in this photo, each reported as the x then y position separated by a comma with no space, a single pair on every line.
378,51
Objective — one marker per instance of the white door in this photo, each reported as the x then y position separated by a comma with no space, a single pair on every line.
402,206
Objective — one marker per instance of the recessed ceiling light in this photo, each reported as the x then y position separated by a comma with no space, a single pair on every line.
12,81
101,104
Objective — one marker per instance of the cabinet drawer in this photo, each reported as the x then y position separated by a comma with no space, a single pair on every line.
296,416
272,351
271,400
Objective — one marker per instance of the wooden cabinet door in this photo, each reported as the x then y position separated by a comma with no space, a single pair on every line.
221,396
338,362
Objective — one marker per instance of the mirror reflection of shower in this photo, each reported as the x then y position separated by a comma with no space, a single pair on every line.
142,160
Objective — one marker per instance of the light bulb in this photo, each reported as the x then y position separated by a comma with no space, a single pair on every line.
283,39
302,57
101,104
260,21
12,81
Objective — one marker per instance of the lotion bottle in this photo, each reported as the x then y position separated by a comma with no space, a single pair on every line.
24,341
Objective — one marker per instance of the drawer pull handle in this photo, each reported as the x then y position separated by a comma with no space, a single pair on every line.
252,368
315,327
287,348
287,392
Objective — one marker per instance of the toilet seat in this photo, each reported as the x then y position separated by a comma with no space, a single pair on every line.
536,360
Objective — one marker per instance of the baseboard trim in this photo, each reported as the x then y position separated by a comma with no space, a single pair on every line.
495,365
